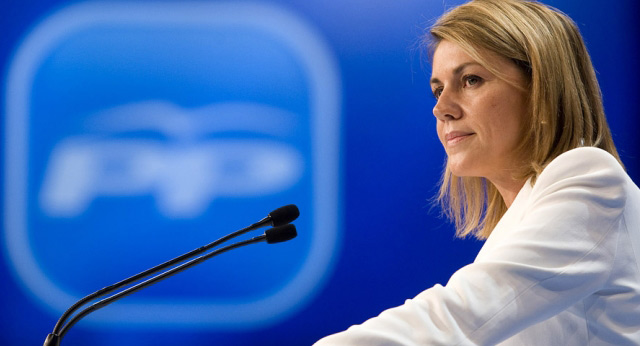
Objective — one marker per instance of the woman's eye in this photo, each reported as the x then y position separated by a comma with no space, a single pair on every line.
471,80
437,92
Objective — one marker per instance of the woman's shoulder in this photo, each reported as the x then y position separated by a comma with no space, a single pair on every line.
592,171
588,162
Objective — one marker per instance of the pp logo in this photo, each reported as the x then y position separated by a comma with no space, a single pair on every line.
185,173
162,127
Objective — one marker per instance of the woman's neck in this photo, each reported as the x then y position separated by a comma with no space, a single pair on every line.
508,189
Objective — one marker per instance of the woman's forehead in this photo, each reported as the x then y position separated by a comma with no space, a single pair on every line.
451,58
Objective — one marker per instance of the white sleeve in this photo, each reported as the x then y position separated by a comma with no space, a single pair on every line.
558,252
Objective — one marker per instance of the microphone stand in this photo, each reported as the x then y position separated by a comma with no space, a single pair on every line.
106,290
278,217
271,236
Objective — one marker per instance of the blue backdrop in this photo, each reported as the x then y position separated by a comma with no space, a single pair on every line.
133,132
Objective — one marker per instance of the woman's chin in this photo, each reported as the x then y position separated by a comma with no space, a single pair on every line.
461,169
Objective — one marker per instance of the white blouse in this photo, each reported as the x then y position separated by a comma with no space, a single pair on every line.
562,267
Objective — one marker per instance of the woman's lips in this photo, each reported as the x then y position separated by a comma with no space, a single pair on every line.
454,137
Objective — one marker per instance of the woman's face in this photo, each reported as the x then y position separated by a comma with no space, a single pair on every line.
480,117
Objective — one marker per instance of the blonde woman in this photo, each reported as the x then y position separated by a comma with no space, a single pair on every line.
531,168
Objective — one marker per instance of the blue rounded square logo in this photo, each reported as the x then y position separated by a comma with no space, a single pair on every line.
137,132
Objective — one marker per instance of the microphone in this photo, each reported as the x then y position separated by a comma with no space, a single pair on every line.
280,234
282,231
278,217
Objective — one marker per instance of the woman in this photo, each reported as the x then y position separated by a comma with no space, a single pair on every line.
531,168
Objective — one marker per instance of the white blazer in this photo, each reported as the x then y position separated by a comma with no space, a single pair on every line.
562,267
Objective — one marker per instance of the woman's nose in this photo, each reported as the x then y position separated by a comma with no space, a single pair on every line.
447,107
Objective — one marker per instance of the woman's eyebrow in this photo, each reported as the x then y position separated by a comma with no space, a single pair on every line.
456,71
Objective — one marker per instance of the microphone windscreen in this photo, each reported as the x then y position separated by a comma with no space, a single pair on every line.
280,234
284,215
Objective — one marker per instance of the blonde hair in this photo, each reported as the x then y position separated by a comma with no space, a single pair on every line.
565,101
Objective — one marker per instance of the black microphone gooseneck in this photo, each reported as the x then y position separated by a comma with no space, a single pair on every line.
282,231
